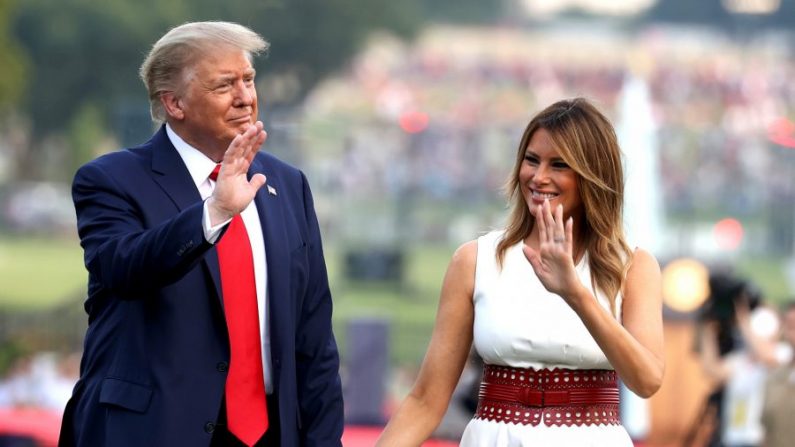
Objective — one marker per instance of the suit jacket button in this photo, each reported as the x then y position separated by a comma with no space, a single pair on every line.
222,366
209,427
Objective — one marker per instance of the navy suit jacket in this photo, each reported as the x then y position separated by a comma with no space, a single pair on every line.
156,349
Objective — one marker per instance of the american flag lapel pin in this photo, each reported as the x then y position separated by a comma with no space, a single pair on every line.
271,190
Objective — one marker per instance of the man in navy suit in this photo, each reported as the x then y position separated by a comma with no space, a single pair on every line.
152,221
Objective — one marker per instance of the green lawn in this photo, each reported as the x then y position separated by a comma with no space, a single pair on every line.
409,308
39,273
768,274
42,273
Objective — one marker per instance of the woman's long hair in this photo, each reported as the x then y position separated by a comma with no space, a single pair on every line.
587,142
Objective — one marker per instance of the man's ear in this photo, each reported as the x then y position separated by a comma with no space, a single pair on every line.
173,105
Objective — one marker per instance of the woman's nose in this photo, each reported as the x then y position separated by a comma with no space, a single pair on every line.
541,175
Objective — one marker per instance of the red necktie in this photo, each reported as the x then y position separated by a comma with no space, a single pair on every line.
246,412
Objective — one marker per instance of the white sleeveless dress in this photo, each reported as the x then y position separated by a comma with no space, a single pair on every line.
518,323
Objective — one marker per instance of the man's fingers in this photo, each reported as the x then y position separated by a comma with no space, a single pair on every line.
255,146
244,148
257,181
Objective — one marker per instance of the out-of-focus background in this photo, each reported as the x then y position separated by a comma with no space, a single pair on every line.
406,116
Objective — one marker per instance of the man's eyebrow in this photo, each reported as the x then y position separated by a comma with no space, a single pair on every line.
230,75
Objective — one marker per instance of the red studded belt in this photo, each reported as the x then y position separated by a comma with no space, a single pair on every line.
557,396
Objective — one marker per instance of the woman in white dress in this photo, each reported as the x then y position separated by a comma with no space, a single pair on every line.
557,303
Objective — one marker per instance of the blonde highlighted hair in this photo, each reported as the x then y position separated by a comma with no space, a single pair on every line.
587,142
167,65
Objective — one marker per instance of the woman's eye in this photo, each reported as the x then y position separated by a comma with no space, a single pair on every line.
560,165
531,159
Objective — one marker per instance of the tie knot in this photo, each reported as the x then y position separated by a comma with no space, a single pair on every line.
214,174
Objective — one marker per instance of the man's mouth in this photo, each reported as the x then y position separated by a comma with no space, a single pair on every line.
241,119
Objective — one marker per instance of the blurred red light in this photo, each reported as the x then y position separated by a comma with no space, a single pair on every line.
782,132
728,233
414,121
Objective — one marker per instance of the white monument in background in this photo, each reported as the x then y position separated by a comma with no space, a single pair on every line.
637,134
643,207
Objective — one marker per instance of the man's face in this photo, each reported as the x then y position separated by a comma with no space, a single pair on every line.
218,101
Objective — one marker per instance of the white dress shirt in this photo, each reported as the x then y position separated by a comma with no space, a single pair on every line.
200,166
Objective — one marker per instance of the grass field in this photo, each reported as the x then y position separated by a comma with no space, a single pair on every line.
37,273
40,273
409,308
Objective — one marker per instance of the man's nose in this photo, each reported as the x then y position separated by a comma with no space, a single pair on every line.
244,94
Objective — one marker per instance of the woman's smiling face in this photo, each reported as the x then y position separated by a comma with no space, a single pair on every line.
545,176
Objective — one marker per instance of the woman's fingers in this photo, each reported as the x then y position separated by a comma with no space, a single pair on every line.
560,232
551,230
570,235
531,255
554,229
541,222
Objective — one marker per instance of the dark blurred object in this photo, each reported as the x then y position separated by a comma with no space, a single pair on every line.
726,291
374,265
366,367
17,441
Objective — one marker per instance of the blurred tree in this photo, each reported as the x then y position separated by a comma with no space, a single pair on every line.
785,16
687,11
85,54
311,38
466,11
715,13
12,76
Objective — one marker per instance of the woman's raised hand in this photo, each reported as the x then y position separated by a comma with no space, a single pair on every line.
553,261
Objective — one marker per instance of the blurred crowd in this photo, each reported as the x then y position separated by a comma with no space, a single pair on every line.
42,380
440,119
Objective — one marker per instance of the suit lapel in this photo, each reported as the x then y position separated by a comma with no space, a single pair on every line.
171,173
173,177
271,215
